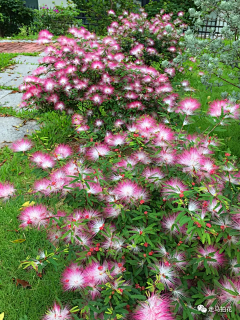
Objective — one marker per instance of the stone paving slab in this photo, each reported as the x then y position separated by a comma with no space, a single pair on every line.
26,59
11,100
23,69
12,129
14,80
3,93
5,78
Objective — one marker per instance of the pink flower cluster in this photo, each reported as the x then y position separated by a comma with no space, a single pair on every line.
69,73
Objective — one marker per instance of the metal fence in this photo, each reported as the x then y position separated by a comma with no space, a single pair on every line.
211,24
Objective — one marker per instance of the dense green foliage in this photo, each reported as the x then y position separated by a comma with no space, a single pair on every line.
13,15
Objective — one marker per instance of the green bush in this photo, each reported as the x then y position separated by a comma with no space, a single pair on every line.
56,20
13,15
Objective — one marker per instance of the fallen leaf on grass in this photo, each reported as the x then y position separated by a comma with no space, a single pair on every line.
18,240
3,162
23,283
2,316
27,204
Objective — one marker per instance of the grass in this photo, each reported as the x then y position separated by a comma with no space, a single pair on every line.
16,302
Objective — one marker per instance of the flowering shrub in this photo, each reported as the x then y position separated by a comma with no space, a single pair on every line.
87,71
56,20
150,217
149,220
148,40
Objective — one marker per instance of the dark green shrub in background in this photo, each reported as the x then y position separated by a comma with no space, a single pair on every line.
154,6
13,16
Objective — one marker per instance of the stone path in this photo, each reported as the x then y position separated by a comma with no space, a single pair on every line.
12,128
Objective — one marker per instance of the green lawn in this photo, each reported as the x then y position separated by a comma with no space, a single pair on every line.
16,302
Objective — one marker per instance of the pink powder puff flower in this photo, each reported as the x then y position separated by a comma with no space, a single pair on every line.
185,83
63,81
166,157
180,14
145,122
112,211
97,272
97,226
167,273
165,88
153,175
82,128
108,90
142,157
71,69
172,49
115,140
96,99
174,185
131,95
77,119
111,12
62,151
97,65
98,123
219,257
170,71
118,123
59,106
230,298
58,313
73,278
6,191
49,85
168,223
230,109
45,34
129,191
191,160
93,188
188,106
42,186
154,308
43,160
34,216
21,145
136,105
95,152
40,70
59,65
